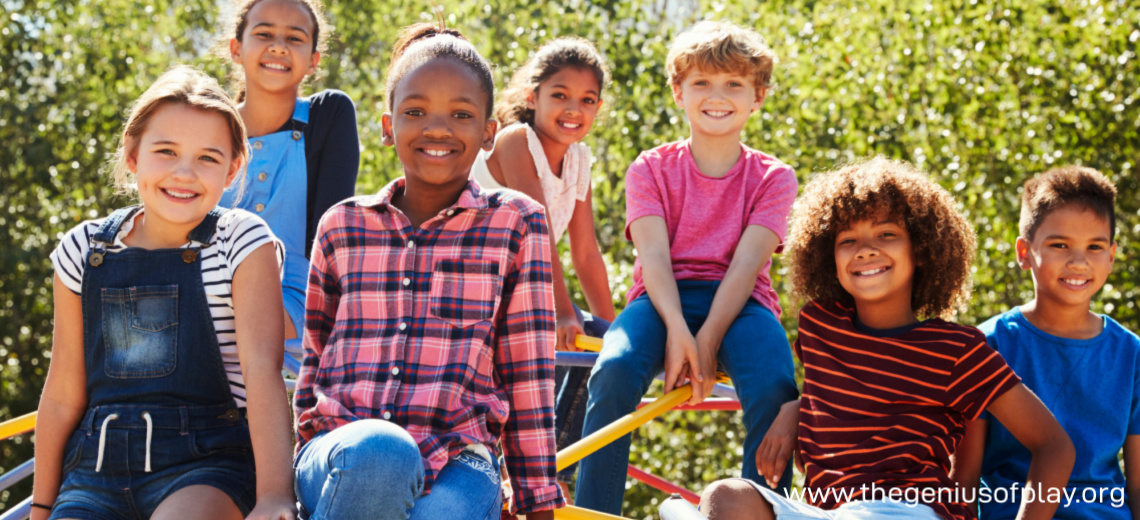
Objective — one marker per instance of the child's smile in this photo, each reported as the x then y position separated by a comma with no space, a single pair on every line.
717,102
875,264
276,49
439,122
565,105
182,164
1071,256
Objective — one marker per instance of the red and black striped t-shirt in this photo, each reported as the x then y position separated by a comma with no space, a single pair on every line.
889,409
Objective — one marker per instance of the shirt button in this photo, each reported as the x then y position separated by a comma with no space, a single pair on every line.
259,207
387,415
262,176
257,145
407,282
395,371
411,244
403,326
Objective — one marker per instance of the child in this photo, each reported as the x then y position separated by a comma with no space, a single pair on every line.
430,330
549,107
1086,366
305,149
886,395
167,329
705,214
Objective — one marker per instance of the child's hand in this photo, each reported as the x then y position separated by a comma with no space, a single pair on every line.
567,329
708,345
681,361
274,507
779,443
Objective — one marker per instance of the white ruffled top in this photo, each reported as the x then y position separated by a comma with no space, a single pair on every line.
562,194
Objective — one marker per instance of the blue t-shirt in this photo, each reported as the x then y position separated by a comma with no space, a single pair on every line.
1092,386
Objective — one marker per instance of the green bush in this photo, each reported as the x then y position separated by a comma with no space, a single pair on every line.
979,94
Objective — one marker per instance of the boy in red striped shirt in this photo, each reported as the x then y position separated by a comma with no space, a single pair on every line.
887,395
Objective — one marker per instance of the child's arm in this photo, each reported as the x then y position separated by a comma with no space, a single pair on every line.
756,246
524,366
651,238
1031,423
587,259
64,398
514,161
339,156
258,321
779,444
966,469
1132,473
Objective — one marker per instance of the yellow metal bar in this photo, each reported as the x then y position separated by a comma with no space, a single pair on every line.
14,427
604,436
577,513
587,343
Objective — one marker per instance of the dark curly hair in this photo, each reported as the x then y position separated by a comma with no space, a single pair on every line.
552,57
942,240
422,42
1062,186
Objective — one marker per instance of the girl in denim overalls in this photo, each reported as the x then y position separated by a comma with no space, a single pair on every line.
160,339
306,153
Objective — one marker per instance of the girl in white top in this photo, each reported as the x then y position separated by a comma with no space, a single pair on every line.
546,110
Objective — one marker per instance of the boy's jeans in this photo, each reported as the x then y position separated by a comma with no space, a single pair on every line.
372,469
754,353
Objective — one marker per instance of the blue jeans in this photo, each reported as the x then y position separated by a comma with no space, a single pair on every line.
755,354
372,469
570,394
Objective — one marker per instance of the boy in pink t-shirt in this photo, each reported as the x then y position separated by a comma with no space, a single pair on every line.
705,214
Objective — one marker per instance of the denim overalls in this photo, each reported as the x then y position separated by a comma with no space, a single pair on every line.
160,413
277,189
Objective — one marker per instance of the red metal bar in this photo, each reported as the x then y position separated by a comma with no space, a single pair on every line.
708,405
661,484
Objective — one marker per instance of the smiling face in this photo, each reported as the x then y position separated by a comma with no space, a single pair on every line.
1071,256
182,163
717,103
276,49
875,263
565,105
439,122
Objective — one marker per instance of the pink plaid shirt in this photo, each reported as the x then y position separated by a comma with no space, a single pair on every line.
446,330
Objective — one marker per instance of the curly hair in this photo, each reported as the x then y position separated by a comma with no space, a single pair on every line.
236,31
943,242
552,57
1062,186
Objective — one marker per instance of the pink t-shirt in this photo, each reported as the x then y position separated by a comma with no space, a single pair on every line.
706,215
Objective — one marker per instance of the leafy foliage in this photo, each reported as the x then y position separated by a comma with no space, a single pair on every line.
980,94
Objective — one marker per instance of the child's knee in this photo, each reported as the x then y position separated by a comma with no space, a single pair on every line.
377,446
734,499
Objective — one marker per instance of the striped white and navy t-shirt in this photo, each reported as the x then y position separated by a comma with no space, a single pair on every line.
239,234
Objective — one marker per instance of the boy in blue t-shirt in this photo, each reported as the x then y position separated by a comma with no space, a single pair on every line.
1084,366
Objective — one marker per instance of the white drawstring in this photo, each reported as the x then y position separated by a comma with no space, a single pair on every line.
149,429
103,440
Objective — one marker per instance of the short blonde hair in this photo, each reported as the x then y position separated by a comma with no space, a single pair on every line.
181,85
721,46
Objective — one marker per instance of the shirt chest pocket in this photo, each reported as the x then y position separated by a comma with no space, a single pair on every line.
465,292
140,331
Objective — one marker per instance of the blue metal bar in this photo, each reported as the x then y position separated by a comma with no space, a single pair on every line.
19,473
19,511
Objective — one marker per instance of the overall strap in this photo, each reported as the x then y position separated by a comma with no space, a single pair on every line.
300,117
206,229
106,233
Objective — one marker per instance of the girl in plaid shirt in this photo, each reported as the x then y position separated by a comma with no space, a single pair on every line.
429,334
